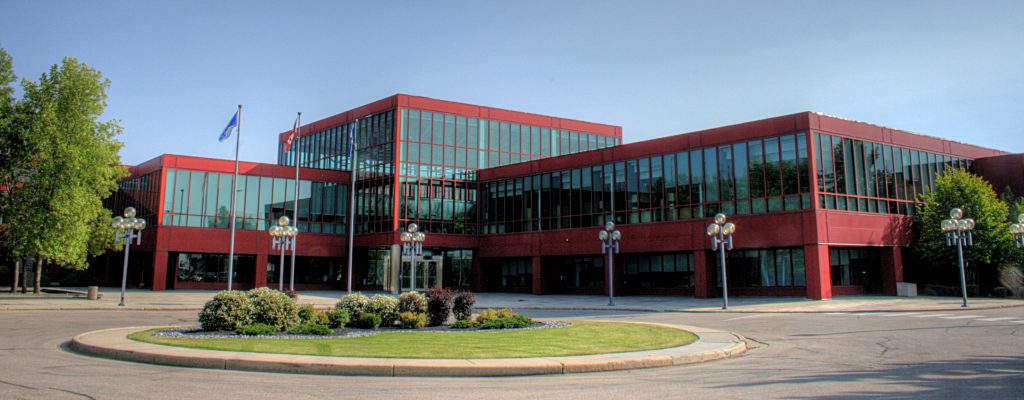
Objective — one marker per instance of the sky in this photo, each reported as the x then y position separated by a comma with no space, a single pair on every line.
179,69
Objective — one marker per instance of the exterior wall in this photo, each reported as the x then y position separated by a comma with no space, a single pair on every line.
1002,171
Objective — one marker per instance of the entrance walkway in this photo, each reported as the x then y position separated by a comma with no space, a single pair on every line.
194,299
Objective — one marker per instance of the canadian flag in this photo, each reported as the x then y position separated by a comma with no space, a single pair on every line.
292,135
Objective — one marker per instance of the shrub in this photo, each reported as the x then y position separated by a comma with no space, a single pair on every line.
439,306
226,311
338,318
368,321
463,324
462,305
502,319
412,302
291,294
354,303
410,320
272,307
384,306
309,328
308,314
256,330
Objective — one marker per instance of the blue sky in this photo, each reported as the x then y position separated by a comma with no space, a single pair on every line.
179,69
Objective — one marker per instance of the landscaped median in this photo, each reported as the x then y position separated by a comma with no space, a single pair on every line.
583,346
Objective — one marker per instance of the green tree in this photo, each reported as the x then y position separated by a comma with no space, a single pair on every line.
1014,204
957,188
64,164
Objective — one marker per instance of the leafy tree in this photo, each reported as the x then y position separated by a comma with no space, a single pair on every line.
992,239
63,161
1014,204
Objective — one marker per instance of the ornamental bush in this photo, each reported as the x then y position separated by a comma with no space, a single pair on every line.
410,320
256,330
463,324
412,302
309,328
368,321
502,319
439,306
462,305
384,306
338,318
309,314
226,311
354,303
274,308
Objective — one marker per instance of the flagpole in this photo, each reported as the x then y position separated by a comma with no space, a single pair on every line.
352,203
295,205
234,192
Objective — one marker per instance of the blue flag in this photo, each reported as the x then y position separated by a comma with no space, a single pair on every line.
228,129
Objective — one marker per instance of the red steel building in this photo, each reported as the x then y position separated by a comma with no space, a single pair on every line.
512,201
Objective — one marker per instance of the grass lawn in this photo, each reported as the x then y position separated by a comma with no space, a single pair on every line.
581,338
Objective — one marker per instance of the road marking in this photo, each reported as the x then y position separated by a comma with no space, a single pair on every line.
836,313
1017,322
930,315
996,319
752,316
964,317
864,313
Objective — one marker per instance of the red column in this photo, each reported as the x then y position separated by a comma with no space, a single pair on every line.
476,274
819,277
892,269
537,286
159,270
259,278
702,285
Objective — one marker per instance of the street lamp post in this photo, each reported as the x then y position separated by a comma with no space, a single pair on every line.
126,229
412,246
283,239
721,240
610,237
958,232
1018,231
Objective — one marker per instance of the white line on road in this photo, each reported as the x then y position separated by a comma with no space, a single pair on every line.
930,315
964,317
996,319
864,313
836,313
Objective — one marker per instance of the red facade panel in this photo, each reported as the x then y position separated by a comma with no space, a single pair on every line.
1002,171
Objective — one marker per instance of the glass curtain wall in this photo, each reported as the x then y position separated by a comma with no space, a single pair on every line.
203,200
141,192
783,267
441,153
855,175
658,271
753,177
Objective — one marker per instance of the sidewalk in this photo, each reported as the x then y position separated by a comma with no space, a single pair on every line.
175,300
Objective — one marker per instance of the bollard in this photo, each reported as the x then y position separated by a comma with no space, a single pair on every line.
94,292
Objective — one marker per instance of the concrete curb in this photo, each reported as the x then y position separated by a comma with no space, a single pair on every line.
114,344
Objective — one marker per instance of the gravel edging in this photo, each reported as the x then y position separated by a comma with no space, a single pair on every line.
345,333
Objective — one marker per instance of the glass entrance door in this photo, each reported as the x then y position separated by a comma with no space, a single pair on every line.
428,275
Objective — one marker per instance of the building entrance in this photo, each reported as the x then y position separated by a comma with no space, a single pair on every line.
428,274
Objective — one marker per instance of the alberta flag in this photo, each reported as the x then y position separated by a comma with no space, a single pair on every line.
231,127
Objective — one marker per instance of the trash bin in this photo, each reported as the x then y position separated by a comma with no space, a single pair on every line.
94,292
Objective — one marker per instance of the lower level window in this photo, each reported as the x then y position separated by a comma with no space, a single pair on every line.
206,267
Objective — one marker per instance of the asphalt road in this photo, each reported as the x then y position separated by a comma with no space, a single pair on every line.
924,355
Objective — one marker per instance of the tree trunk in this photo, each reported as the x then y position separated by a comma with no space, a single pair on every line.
17,272
39,276
24,276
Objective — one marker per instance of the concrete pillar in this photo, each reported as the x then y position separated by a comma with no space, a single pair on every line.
818,274
259,278
160,266
703,285
537,286
892,269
